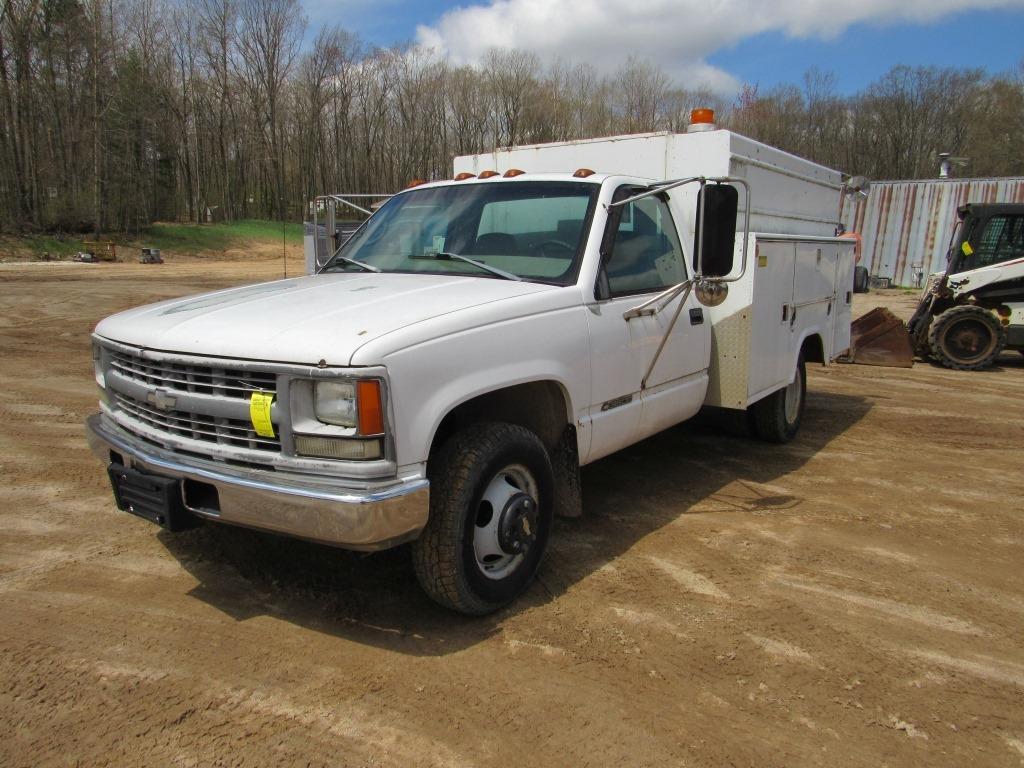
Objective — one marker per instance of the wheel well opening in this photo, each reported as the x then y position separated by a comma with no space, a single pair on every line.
813,350
539,406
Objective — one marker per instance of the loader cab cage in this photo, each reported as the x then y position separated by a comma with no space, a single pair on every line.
989,235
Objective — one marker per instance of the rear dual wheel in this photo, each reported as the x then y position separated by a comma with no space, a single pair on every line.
491,496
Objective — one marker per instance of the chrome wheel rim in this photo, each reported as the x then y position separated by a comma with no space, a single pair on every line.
510,492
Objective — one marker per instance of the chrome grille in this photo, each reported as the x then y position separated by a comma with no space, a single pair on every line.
196,426
233,383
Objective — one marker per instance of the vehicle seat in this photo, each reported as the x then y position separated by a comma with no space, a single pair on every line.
495,244
633,264
569,230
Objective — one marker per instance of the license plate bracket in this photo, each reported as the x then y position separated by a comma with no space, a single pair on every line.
151,497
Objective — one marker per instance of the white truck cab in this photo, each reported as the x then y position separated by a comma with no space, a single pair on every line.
445,374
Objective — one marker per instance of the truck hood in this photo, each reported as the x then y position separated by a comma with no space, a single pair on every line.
304,320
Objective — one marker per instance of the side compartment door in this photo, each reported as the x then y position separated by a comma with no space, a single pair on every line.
774,270
843,309
642,257
813,294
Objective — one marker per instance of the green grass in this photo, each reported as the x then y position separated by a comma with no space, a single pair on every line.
175,238
34,246
193,238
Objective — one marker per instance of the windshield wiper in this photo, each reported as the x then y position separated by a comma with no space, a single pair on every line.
445,256
347,260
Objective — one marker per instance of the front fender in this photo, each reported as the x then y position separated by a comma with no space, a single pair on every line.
429,379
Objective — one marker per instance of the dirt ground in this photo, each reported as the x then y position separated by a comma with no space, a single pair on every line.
854,598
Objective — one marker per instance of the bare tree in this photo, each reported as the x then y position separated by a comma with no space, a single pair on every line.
511,78
268,44
115,114
641,89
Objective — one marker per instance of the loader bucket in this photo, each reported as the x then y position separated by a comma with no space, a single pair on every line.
880,338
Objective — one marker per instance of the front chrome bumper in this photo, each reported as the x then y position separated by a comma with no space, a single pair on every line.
369,518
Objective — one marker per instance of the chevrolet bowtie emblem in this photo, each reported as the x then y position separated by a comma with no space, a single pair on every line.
161,399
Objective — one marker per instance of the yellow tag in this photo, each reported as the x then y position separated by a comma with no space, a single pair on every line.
259,414
762,260
966,248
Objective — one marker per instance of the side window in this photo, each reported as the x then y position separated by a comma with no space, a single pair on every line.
646,256
1002,239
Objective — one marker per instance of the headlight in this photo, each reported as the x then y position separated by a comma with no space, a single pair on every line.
334,402
356,404
97,366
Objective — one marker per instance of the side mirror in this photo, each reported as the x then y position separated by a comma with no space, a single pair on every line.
714,240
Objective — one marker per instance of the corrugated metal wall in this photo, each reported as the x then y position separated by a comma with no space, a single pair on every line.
904,223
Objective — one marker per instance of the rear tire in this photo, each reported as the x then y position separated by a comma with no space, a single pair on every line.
491,500
776,418
861,280
966,338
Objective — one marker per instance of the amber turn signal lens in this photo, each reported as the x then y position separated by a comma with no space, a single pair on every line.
487,174
582,173
464,175
415,183
371,410
511,173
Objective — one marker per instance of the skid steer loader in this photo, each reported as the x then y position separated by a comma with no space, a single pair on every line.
968,314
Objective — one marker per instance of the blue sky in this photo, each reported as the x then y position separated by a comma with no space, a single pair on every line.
720,44
992,40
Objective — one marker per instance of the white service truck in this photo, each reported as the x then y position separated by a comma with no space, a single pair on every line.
442,379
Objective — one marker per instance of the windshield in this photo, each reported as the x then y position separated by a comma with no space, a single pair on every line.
532,230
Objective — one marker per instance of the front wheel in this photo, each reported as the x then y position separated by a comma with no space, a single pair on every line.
491,498
966,338
776,418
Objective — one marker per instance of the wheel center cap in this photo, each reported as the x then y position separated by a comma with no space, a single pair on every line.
517,527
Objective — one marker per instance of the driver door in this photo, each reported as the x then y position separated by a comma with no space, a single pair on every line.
641,257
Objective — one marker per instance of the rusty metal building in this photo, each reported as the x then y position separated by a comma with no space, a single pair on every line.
906,225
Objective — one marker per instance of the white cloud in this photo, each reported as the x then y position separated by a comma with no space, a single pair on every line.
677,34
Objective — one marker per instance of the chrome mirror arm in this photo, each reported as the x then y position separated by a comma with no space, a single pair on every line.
656,304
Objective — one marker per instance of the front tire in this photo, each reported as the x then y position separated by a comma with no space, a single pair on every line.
776,418
966,338
491,500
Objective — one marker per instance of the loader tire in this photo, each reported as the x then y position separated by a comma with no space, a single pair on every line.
491,502
776,418
966,338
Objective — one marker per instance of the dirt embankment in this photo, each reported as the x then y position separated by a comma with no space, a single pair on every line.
853,598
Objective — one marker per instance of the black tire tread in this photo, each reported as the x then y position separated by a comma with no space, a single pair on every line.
768,415
941,322
436,554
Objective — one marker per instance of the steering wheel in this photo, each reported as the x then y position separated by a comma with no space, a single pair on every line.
543,245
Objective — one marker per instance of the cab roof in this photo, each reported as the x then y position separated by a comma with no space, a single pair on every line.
594,178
